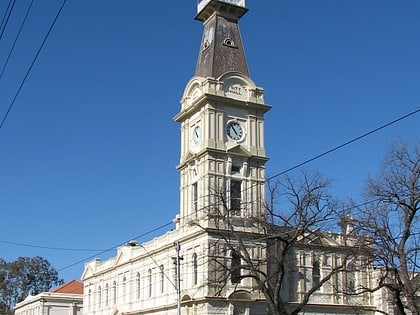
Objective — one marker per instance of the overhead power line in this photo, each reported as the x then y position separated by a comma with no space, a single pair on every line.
272,177
49,247
114,247
292,168
6,17
32,64
16,39
344,144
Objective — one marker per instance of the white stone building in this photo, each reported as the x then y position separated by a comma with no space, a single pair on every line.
222,159
67,299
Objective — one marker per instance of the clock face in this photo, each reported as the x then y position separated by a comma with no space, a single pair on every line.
196,135
234,130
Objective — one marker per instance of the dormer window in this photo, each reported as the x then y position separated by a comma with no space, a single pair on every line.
229,42
206,44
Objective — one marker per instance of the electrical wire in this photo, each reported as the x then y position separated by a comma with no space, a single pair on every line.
32,64
344,144
6,17
51,248
5,14
116,246
16,39
272,177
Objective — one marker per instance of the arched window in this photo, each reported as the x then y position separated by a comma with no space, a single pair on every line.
106,295
99,297
350,278
124,289
114,293
229,42
149,276
195,269
235,272
138,285
162,278
316,272
89,300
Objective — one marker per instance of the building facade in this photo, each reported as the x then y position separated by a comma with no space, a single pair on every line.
195,269
67,299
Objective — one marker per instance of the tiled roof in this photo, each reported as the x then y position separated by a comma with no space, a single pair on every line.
72,287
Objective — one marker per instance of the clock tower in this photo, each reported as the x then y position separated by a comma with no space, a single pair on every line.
222,163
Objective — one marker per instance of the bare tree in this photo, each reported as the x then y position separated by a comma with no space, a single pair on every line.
266,253
391,221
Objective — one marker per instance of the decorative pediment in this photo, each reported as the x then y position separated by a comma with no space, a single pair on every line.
320,238
90,269
237,149
241,295
233,85
119,259
186,297
238,86
192,92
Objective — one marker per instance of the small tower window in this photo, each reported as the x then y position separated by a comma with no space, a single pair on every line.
229,42
195,198
206,44
235,197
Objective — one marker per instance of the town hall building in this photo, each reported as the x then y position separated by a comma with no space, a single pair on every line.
196,269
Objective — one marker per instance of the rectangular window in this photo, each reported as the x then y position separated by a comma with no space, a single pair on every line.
235,197
195,269
316,273
235,271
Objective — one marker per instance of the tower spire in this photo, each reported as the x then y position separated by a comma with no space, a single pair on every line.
221,47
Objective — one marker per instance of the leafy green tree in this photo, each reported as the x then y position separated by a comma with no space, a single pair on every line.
23,277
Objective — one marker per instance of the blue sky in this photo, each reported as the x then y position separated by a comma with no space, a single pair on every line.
88,152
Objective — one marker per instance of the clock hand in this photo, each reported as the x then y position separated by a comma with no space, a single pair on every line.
234,130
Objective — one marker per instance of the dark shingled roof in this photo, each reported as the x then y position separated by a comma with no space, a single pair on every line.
221,48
